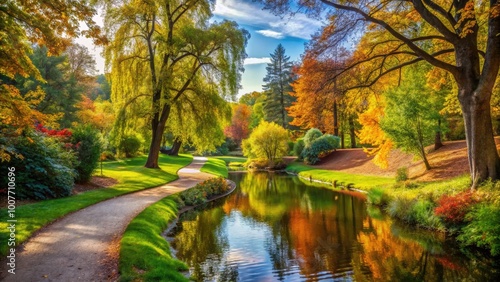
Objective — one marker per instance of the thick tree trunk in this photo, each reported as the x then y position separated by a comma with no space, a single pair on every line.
342,140
483,157
174,151
352,132
158,127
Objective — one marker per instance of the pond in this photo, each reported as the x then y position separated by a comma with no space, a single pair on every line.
278,228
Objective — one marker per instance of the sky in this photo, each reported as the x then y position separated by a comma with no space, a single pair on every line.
266,30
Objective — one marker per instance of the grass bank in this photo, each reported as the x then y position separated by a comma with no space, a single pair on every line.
143,236
131,175
215,166
363,182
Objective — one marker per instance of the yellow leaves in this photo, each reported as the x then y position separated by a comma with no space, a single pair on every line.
495,11
371,133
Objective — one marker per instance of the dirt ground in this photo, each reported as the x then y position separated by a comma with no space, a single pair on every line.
447,162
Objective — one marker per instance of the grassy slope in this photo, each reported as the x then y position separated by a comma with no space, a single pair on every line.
143,236
216,166
359,181
130,173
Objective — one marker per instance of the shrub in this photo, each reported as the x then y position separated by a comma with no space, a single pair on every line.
318,148
454,208
423,213
202,191
402,174
291,144
401,208
483,230
268,140
46,169
88,147
377,196
311,135
108,156
298,147
130,145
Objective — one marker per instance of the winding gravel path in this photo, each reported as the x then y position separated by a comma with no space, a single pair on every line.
74,248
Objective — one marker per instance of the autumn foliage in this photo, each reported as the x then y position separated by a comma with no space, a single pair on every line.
454,208
240,123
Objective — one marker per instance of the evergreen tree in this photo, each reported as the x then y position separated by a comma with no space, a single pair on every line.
277,88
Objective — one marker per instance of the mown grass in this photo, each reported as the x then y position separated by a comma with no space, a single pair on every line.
215,166
360,181
144,253
231,159
131,175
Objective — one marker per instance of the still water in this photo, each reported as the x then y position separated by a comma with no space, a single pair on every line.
278,228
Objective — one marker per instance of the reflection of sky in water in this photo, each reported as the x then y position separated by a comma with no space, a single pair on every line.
247,247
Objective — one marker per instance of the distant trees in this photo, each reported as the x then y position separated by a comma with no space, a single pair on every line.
459,37
277,88
239,128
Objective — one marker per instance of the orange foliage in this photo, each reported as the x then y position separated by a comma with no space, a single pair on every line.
240,123
315,95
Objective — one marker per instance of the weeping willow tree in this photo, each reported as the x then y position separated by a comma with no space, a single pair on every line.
169,54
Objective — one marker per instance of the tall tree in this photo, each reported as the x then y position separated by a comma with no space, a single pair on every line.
466,31
160,48
277,88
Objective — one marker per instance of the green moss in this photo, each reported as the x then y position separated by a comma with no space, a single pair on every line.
131,175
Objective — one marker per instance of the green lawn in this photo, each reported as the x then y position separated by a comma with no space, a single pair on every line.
144,253
364,182
215,166
131,175
231,159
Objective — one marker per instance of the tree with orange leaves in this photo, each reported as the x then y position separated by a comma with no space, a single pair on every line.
240,123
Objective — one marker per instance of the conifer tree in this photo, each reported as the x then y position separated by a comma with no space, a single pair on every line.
277,88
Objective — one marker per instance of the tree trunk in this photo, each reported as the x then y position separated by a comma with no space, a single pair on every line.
424,158
352,132
174,151
335,120
437,139
342,140
158,127
483,157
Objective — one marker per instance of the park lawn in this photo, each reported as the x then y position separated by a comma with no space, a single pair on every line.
143,236
231,159
215,166
364,182
131,175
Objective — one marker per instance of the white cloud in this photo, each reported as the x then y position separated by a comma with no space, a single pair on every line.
256,61
271,33
250,13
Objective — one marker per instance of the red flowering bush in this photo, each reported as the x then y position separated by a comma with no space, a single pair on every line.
454,208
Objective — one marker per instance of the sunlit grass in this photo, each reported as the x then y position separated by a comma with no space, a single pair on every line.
231,159
144,253
131,175
359,181
215,166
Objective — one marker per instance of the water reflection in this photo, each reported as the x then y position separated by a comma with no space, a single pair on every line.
276,228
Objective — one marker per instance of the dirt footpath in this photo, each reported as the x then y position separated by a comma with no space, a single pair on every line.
75,247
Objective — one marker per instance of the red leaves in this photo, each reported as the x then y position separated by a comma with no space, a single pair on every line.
63,133
454,208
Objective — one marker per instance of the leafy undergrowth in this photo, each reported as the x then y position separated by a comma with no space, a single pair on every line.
360,181
215,166
131,175
143,235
